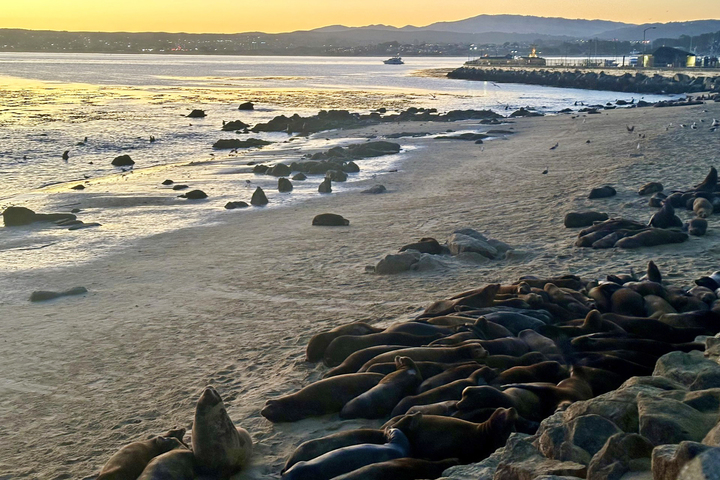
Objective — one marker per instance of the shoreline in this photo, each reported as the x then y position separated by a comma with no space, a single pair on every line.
234,304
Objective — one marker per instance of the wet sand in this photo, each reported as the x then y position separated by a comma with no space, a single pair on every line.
233,305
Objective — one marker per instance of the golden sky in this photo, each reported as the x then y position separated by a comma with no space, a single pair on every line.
231,16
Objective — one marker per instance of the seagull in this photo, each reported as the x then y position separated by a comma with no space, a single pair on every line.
638,146
682,125
66,155
715,123
694,126
544,172
555,146
630,129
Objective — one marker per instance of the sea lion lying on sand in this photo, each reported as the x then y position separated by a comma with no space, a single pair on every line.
129,462
318,343
400,469
320,446
175,465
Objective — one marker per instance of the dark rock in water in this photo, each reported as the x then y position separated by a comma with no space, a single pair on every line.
246,106
258,198
78,187
234,205
194,195
15,216
602,192
225,144
350,167
68,223
123,161
260,169
583,219
425,245
373,149
42,295
330,220
523,112
336,175
82,225
299,177
325,186
696,227
279,170
197,114
464,136
75,210
500,132
180,187
649,188
284,185
234,125
168,182
375,189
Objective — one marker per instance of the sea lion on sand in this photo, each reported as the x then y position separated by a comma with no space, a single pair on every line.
344,346
129,462
319,398
656,306
702,207
353,363
400,469
445,409
696,227
438,438
653,273
707,320
418,328
583,219
427,369
174,465
320,446
505,346
347,459
652,329
540,343
551,372
450,375
710,183
218,445
650,188
379,401
503,362
318,343
652,237
592,323
450,391
514,322
482,297
665,217
432,354
627,302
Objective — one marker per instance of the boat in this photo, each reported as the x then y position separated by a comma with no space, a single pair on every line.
396,60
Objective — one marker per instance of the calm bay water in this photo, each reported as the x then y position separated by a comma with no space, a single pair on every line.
50,103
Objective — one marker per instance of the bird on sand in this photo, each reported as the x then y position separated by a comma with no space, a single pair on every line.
555,146
66,155
715,123
630,129
544,172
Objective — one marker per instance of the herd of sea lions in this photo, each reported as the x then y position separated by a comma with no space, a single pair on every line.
664,226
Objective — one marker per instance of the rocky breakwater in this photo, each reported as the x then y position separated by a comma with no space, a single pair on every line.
590,80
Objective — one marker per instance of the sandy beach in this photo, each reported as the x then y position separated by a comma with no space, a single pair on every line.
233,305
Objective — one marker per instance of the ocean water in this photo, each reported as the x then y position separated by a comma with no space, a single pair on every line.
100,106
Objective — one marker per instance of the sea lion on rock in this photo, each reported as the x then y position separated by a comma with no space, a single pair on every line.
218,445
437,438
319,343
665,217
344,460
330,220
320,446
702,207
400,469
129,462
592,343
174,465
696,227
652,237
379,401
433,354
344,346
319,398
611,363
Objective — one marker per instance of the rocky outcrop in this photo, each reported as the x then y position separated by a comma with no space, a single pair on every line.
17,216
123,161
234,126
225,144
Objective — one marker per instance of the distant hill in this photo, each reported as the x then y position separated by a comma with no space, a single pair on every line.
662,30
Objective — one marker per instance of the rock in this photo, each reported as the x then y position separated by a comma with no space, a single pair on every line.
583,219
591,432
690,369
258,198
83,225
375,189
336,175
705,466
261,169
350,167
325,186
234,125
279,170
668,460
225,144
78,187
16,216
373,149
194,195
330,220
284,185
523,112
713,437
525,462
425,245
621,453
602,192
168,182
180,187
123,161
197,114
234,205
246,106
42,295
397,263
299,177
665,421
650,188
459,243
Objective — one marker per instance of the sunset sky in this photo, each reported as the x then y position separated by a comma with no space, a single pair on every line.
230,16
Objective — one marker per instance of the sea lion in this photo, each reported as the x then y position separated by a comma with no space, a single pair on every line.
612,363
481,415
657,200
418,328
450,391
602,192
646,287
427,369
445,409
702,207
175,465
656,306
591,343
320,446
627,302
712,281
129,462
458,372
600,380
583,219
653,329
218,445
437,438
540,343
320,398
665,217
650,188
551,372
653,273
318,343
592,323
344,346
709,184
505,346
503,362
379,401
344,460
703,294
696,227
479,298
329,219
400,469
354,362
573,389
514,322
706,320
432,354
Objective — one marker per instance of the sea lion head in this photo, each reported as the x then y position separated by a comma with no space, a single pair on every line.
478,352
405,362
209,398
593,321
165,444
502,423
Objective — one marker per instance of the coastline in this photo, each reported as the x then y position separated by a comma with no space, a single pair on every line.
234,304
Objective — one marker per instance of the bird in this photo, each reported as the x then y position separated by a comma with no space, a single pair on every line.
555,146
715,123
544,172
682,125
587,141
630,129
694,126
66,155
638,146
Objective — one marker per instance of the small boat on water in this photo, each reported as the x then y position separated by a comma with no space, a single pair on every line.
396,60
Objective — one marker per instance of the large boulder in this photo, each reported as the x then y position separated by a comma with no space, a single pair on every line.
234,125
397,263
460,243
373,149
246,106
705,466
623,452
284,185
668,460
375,189
123,161
226,144
691,369
330,220
197,114
16,216
258,198
663,420
336,175
194,195
279,170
